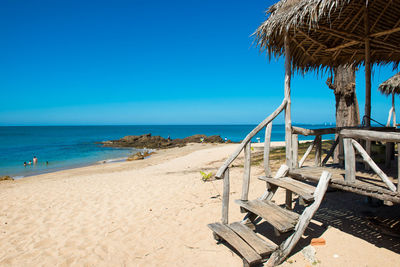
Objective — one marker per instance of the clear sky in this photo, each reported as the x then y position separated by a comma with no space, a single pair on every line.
150,62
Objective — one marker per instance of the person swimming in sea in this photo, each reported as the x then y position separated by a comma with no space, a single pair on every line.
24,163
30,162
35,160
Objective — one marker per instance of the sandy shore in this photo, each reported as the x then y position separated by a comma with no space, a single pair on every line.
154,213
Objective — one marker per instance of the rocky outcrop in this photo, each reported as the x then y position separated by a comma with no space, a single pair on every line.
6,178
151,142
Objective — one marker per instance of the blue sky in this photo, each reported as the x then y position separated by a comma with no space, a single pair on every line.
150,62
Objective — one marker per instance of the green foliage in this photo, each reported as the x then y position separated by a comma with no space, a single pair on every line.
205,176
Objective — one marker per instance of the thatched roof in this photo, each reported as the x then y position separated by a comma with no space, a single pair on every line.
391,85
328,33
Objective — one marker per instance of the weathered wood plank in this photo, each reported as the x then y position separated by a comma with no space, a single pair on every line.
288,118
261,246
304,190
246,173
350,160
280,255
295,150
307,132
267,148
318,150
398,167
373,165
235,241
225,198
278,217
247,139
371,135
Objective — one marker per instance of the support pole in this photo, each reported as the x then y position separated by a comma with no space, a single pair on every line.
288,120
394,111
367,112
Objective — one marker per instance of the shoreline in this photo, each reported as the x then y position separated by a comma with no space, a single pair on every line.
274,144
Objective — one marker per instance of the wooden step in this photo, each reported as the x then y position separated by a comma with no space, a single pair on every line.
226,233
283,220
304,190
261,246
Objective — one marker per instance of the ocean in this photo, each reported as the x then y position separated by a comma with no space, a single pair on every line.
63,147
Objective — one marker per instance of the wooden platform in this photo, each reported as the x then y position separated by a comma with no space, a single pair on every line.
367,183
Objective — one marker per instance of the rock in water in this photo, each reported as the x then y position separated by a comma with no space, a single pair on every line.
6,178
149,141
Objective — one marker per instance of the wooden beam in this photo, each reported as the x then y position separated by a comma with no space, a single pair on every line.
373,165
288,119
306,132
236,153
225,197
367,112
295,145
267,148
382,33
351,43
398,167
246,173
371,135
318,150
349,161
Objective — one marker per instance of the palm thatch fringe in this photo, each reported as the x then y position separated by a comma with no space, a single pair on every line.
391,85
329,33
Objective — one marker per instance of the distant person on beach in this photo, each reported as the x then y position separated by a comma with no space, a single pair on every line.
47,163
30,162
226,139
202,139
25,164
34,160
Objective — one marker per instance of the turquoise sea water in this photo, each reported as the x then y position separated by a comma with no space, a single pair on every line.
73,146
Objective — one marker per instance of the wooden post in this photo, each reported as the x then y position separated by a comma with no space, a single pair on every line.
341,151
295,145
398,167
225,198
246,174
331,151
288,119
394,111
367,71
368,150
349,161
267,147
318,148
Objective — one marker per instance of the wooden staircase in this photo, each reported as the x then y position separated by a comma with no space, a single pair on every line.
255,249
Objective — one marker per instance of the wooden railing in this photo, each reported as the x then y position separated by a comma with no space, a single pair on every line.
223,171
316,143
350,137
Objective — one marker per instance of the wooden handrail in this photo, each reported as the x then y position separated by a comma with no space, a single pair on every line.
306,132
371,135
236,153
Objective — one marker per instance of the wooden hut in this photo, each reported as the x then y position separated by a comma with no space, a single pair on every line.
316,35
391,87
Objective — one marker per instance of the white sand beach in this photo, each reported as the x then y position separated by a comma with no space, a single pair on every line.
155,212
